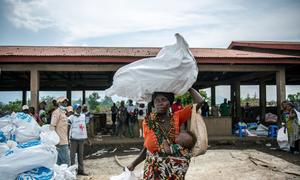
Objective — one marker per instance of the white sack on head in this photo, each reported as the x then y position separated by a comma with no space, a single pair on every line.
174,69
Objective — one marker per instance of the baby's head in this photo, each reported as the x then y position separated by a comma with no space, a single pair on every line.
186,139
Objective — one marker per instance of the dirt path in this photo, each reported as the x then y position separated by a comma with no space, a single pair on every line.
215,164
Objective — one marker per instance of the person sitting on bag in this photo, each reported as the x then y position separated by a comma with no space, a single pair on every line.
185,142
78,135
159,125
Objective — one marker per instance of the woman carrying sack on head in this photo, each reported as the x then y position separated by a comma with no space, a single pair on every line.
163,125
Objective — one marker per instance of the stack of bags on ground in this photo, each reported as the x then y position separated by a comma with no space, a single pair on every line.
27,151
254,129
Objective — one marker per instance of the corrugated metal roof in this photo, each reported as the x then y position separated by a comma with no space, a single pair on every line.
127,52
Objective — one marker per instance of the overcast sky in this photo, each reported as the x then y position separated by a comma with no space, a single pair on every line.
204,23
141,23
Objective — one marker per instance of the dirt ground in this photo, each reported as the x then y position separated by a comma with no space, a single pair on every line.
224,160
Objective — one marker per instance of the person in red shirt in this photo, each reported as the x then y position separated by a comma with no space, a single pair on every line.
176,106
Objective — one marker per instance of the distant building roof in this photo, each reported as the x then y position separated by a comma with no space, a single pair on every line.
266,44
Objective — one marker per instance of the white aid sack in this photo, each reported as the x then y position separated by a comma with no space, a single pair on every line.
4,121
174,69
64,172
126,175
282,139
49,136
26,158
40,173
27,128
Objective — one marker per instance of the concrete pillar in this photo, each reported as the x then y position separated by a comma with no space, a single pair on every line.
83,97
233,101
34,87
280,88
238,99
24,97
69,97
262,99
213,95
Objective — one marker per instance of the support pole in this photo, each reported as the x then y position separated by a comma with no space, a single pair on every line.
24,97
262,99
213,95
83,97
280,88
69,97
34,87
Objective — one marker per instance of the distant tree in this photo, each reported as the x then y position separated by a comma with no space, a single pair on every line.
248,97
93,101
105,105
253,101
107,101
255,96
272,103
295,98
187,98
15,106
48,100
78,101
205,97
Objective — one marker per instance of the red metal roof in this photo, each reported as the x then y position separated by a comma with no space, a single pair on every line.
266,44
44,54
126,52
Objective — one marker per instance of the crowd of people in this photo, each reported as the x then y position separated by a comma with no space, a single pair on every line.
71,125
125,117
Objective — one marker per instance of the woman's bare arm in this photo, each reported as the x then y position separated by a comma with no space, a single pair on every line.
197,99
141,157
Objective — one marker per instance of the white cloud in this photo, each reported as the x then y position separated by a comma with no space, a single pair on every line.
209,23
24,15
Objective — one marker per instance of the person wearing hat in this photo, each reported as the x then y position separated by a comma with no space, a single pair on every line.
78,135
69,111
59,123
25,109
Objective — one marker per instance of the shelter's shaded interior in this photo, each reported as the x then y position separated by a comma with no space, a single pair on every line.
53,81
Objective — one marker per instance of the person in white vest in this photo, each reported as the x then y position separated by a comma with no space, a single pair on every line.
78,134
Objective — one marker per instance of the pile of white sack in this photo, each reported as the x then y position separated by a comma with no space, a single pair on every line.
28,151
174,69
